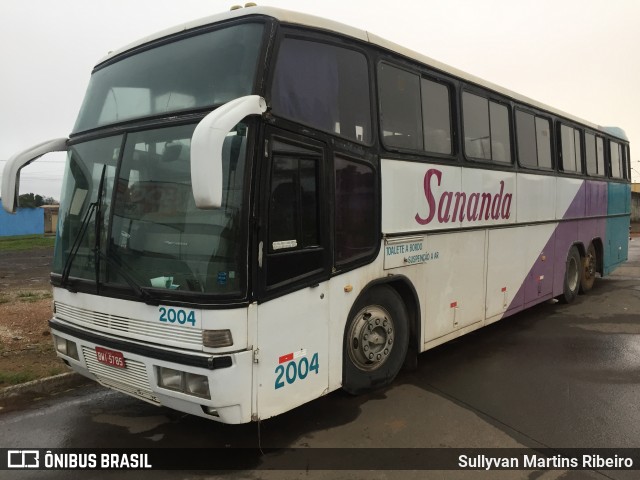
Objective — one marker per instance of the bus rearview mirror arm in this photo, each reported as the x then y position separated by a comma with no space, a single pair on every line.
206,147
11,171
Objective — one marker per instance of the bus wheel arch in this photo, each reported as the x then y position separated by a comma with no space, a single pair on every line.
599,247
380,334
589,268
572,275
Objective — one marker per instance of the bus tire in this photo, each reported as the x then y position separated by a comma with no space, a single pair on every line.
572,276
376,340
589,268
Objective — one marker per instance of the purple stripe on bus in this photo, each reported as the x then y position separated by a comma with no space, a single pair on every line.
545,278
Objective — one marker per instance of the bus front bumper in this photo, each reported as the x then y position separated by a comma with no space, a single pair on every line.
216,387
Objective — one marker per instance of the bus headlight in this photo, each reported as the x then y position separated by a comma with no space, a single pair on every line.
72,350
61,344
170,378
66,347
197,385
185,382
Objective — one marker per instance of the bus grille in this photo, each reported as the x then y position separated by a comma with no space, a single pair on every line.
160,333
132,380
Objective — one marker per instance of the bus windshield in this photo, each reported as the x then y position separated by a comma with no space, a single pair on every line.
150,233
200,71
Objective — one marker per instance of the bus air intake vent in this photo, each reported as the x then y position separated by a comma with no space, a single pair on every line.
133,328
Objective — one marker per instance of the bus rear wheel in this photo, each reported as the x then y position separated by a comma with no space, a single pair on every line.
376,341
572,276
589,266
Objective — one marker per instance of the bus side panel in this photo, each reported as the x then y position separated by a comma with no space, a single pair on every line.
596,199
411,193
571,198
506,270
292,361
571,201
501,185
617,239
520,268
541,188
596,208
574,200
538,284
455,282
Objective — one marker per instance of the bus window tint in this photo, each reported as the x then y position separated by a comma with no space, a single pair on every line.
594,152
293,208
600,155
500,140
355,224
624,149
195,72
590,153
526,136
486,129
323,86
476,126
533,134
401,118
616,170
570,146
436,117
543,142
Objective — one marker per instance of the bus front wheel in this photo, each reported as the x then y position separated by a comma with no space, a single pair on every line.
572,276
376,340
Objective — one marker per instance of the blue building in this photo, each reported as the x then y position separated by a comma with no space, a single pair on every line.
26,221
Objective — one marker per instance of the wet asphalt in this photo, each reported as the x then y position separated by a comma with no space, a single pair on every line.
556,376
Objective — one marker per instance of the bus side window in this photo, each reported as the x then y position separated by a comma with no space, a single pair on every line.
323,86
487,134
533,138
616,160
355,210
400,108
594,151
436,117
570,149
294,238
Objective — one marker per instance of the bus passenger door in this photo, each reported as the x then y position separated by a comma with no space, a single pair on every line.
293,272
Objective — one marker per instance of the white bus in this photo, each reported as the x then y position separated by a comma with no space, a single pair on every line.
262,207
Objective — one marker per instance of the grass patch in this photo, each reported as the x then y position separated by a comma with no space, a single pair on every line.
32,296
16,378
26,242
4,300
27,294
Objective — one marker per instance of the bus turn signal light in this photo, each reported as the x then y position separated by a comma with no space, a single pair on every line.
217,338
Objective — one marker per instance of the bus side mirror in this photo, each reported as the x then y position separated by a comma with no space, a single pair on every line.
11,172
206,147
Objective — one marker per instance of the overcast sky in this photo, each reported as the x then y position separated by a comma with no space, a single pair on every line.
581,56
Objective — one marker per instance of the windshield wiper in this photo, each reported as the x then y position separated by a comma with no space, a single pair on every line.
76,244
93,207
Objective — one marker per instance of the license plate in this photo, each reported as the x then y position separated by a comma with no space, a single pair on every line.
110,357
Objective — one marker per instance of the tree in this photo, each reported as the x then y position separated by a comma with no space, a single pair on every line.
30,200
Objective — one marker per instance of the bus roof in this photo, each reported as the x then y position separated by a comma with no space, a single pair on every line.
312,21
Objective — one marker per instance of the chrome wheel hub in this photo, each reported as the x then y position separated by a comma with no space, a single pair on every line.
371,338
